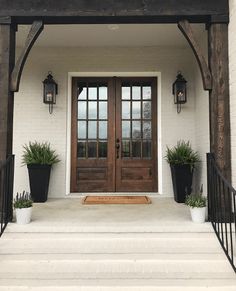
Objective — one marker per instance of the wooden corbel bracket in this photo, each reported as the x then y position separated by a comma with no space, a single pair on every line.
34,32
187,31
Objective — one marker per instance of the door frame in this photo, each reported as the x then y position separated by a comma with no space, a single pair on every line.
68,125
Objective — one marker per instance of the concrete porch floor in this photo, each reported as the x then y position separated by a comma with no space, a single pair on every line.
154,247
70,215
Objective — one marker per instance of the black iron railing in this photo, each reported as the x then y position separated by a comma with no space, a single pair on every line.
6,191
222,209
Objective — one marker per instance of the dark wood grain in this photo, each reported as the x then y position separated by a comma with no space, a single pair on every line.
80,11
187,31
114,173
35,31
140,174
7,59
93,174
219,97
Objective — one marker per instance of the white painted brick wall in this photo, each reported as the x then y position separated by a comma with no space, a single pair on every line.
33,122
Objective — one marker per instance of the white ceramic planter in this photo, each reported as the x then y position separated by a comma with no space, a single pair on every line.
198,214
23,215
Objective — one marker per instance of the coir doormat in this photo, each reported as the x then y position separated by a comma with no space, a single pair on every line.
116,200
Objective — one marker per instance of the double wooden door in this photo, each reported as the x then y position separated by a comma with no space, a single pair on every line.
114,135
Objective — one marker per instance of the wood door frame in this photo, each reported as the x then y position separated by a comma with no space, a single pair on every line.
112,74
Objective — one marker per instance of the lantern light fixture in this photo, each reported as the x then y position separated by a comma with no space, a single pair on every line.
179,91
50,90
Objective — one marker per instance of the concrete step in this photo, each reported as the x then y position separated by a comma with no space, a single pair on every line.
117,285
75,243
39,226
115,266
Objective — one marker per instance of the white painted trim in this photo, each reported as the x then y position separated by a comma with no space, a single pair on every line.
111,74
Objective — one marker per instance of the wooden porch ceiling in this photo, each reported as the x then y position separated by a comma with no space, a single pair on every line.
110,11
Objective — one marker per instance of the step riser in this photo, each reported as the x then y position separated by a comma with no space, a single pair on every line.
76,269
122,288
107,246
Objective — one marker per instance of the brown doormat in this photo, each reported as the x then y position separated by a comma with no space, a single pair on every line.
116,200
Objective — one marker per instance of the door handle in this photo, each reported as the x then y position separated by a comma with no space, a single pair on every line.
117,148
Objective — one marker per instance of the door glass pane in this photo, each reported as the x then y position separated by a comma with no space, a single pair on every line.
147,129
125,92
92,92
82,92
147,110
102,110
125,148
82,110
92,129
102,129
136,92
103,93
136,110
136,129
147,92
102,149
136,149
81,149
92,149
92,110
125,109
147,149
126,129
81,129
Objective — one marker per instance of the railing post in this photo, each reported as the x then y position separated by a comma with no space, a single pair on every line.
221,208
209,186
10,189
6,191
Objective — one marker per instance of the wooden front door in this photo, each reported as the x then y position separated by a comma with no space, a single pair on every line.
114,135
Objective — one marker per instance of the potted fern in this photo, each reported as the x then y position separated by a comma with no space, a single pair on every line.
23,206
182,159
39,158
197,204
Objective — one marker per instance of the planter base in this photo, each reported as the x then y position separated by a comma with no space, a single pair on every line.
198,214
23,215
182,177
39,176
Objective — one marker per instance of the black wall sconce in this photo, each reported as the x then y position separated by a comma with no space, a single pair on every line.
180,91
50,90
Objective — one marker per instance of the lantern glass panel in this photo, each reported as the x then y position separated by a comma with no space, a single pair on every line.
180,93
50,93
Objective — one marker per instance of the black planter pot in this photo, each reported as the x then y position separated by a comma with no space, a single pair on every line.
39,176
182,178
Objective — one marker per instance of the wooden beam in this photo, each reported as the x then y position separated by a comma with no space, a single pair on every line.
52,11
35,31
219,97
7,60
187,31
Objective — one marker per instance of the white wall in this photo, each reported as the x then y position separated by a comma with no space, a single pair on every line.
33,122
232,70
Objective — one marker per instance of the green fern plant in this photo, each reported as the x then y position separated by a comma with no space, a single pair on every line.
39,153
196,200
23,200
182,154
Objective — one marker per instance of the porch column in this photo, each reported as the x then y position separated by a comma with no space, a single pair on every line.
219,97
7,60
